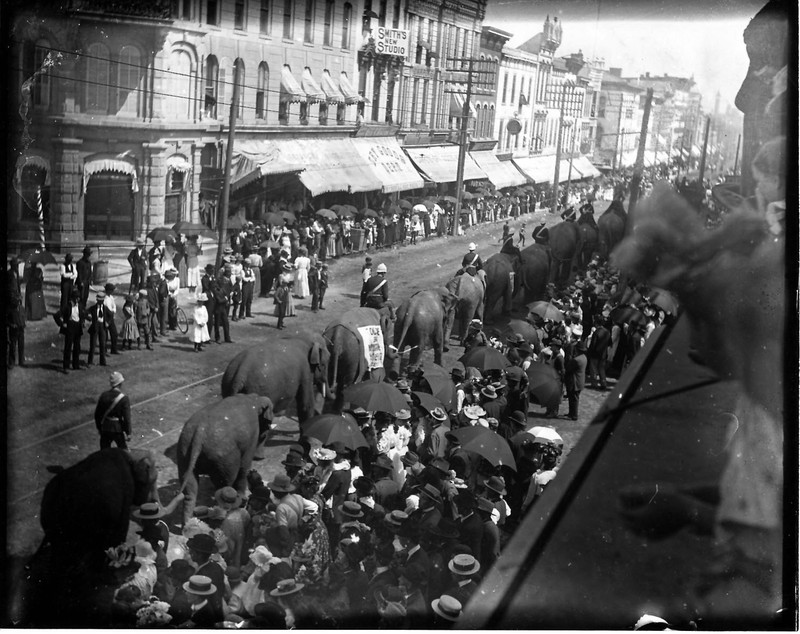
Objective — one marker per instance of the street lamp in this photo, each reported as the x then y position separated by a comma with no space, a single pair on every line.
574,64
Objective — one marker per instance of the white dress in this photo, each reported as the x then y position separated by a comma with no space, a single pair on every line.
301,264
200,325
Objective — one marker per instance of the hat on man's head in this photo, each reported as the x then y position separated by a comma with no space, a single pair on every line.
402,414
142,292
472,246
489,392
580,346
148,511
431,492
286,587
109,288
202,297
100,296
515,339
496,484
464,565
447,607
281,484
518,418
383,462
440,464
116,378
180,570
202,543
294,460
556,343
474,412
323,454
395,519
483,504
410,459
351,510
139,242
402,385
457,373
209,268
87,250
200,585
228,498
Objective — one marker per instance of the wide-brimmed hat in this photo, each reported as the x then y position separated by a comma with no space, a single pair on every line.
496,484
286,587
402,414
321,453
383,462
440,464
431,492
200,585
180,570
489,392
139,242
395,519
281,484
294,460
437,413
170,273
518,418
457,373
149,511
474,412
402,385
464,565
515,339
409,459
228,498
100,296
116,378
202,543
447,607
209,268
576,330
351,509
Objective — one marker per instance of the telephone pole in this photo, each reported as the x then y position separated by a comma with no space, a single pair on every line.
477,82
702,168
636,181
226,183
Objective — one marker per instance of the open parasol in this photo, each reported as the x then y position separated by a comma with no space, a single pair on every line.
274,218
404,204
466,196
330,428
486,443
193,229
428,402
326,213
485,358
546,310
161,233
369,213
544,385
376,396
664,300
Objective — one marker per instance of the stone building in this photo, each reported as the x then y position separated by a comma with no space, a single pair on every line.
619,120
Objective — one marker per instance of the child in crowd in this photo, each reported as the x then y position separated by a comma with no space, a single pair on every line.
200,323
130,331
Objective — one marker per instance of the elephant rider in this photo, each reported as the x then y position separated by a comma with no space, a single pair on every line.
112,416
587,215
475,336
540,234
375,292
471,263
569,214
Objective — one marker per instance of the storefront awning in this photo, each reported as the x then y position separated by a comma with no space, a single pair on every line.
501,173
350,94
336,166
253,159
389,164
110,165
585,167
539,169
313,92
291,92
457,106
332,92
440,163
33,160
178,163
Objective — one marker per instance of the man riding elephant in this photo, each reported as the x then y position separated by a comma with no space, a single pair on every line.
471,263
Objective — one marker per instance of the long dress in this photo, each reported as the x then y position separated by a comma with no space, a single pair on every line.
34,296
200,325
301,264
192,264
183,269
130,331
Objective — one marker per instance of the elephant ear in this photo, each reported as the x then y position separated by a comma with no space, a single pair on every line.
267,409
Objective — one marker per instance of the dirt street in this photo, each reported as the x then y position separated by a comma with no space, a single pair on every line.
50,414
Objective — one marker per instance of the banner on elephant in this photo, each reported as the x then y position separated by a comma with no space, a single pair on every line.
373,345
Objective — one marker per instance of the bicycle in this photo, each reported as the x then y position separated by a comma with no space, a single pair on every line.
183,321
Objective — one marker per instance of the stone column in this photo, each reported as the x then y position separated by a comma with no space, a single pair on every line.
66,193
153,186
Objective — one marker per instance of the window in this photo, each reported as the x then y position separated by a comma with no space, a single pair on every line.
181,9
415,102
262,91
288,19
239,63
210,102
382,13
179,100
128,71
264,17
224,89
513,88
238,15
173,204
97,78
396,14
347,16
212,12
505,87
41,90
309,22
329,8
424,113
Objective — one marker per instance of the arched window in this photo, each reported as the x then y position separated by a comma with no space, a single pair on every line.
97,78
486,129
179,99
240,109
262,90
211,87
330,6
128,73
347,17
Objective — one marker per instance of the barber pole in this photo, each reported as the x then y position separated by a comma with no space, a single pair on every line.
40,215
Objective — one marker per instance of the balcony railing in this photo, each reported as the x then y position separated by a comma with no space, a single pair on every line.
153,9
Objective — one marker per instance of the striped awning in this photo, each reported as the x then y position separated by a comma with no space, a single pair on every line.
314,93
291,92
330,89
350,94
110,165
178,163
32,160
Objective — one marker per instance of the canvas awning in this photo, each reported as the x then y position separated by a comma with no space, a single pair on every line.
110,165
389,163
501,173
178,163
539,169
332,92
336,166
310,86
585,167
253,159
457,106
33,160
351,95
291,92
440,163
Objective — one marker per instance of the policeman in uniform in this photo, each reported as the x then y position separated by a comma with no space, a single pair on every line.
569,214
587,214
471,263
375,292
112,416
540,234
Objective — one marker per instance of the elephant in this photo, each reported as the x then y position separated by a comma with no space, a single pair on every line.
470,291
501,279
220,441
535,271
285,370
589,243
611,229
565,249
348,364
422,321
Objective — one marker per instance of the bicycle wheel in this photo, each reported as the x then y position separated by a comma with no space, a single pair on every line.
183,322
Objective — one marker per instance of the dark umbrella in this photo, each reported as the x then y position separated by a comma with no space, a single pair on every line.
289,217
546,310
441,388
524,328
486,443
628,315
450,199
519,192
394,209
369,213
330,428
375,396
40,257
342,213
351,208
161,233
428,204
337,208
274,218
268,244
428,402
404,204
326,213
544,385
466,196
193,229
485,358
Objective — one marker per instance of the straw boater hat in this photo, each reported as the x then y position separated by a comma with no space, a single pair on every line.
351,510
202,543
199,585
286,587
149,511
395,519
464,565
447,607
489,392
323,454
437,413
474,412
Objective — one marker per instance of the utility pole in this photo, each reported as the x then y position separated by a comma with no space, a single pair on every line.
636,181
702,168
554,201
478,81
736,160
226,182
618,140
571,157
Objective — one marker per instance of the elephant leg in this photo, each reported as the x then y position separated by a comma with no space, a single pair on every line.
438,344
190,499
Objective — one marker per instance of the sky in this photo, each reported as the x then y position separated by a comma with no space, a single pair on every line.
700,38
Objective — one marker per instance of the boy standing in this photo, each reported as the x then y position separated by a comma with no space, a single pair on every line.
281,298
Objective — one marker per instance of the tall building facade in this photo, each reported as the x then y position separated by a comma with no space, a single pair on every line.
619,118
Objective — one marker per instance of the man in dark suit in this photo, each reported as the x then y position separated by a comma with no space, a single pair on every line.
416,557
470,525
463,570
490,534
84,268
222,298
575,378
137,258
375,291
99,317
384,576
599,342
557,362
70,320
207,283
155,304
204,613
201,547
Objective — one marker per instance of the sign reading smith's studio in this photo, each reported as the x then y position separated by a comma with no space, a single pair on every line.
391,42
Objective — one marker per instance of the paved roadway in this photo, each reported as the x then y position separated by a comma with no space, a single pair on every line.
50,415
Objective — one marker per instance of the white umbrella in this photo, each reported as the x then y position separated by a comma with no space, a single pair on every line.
420,208
547,433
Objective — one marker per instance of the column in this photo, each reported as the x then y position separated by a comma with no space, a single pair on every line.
66,192
153,185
